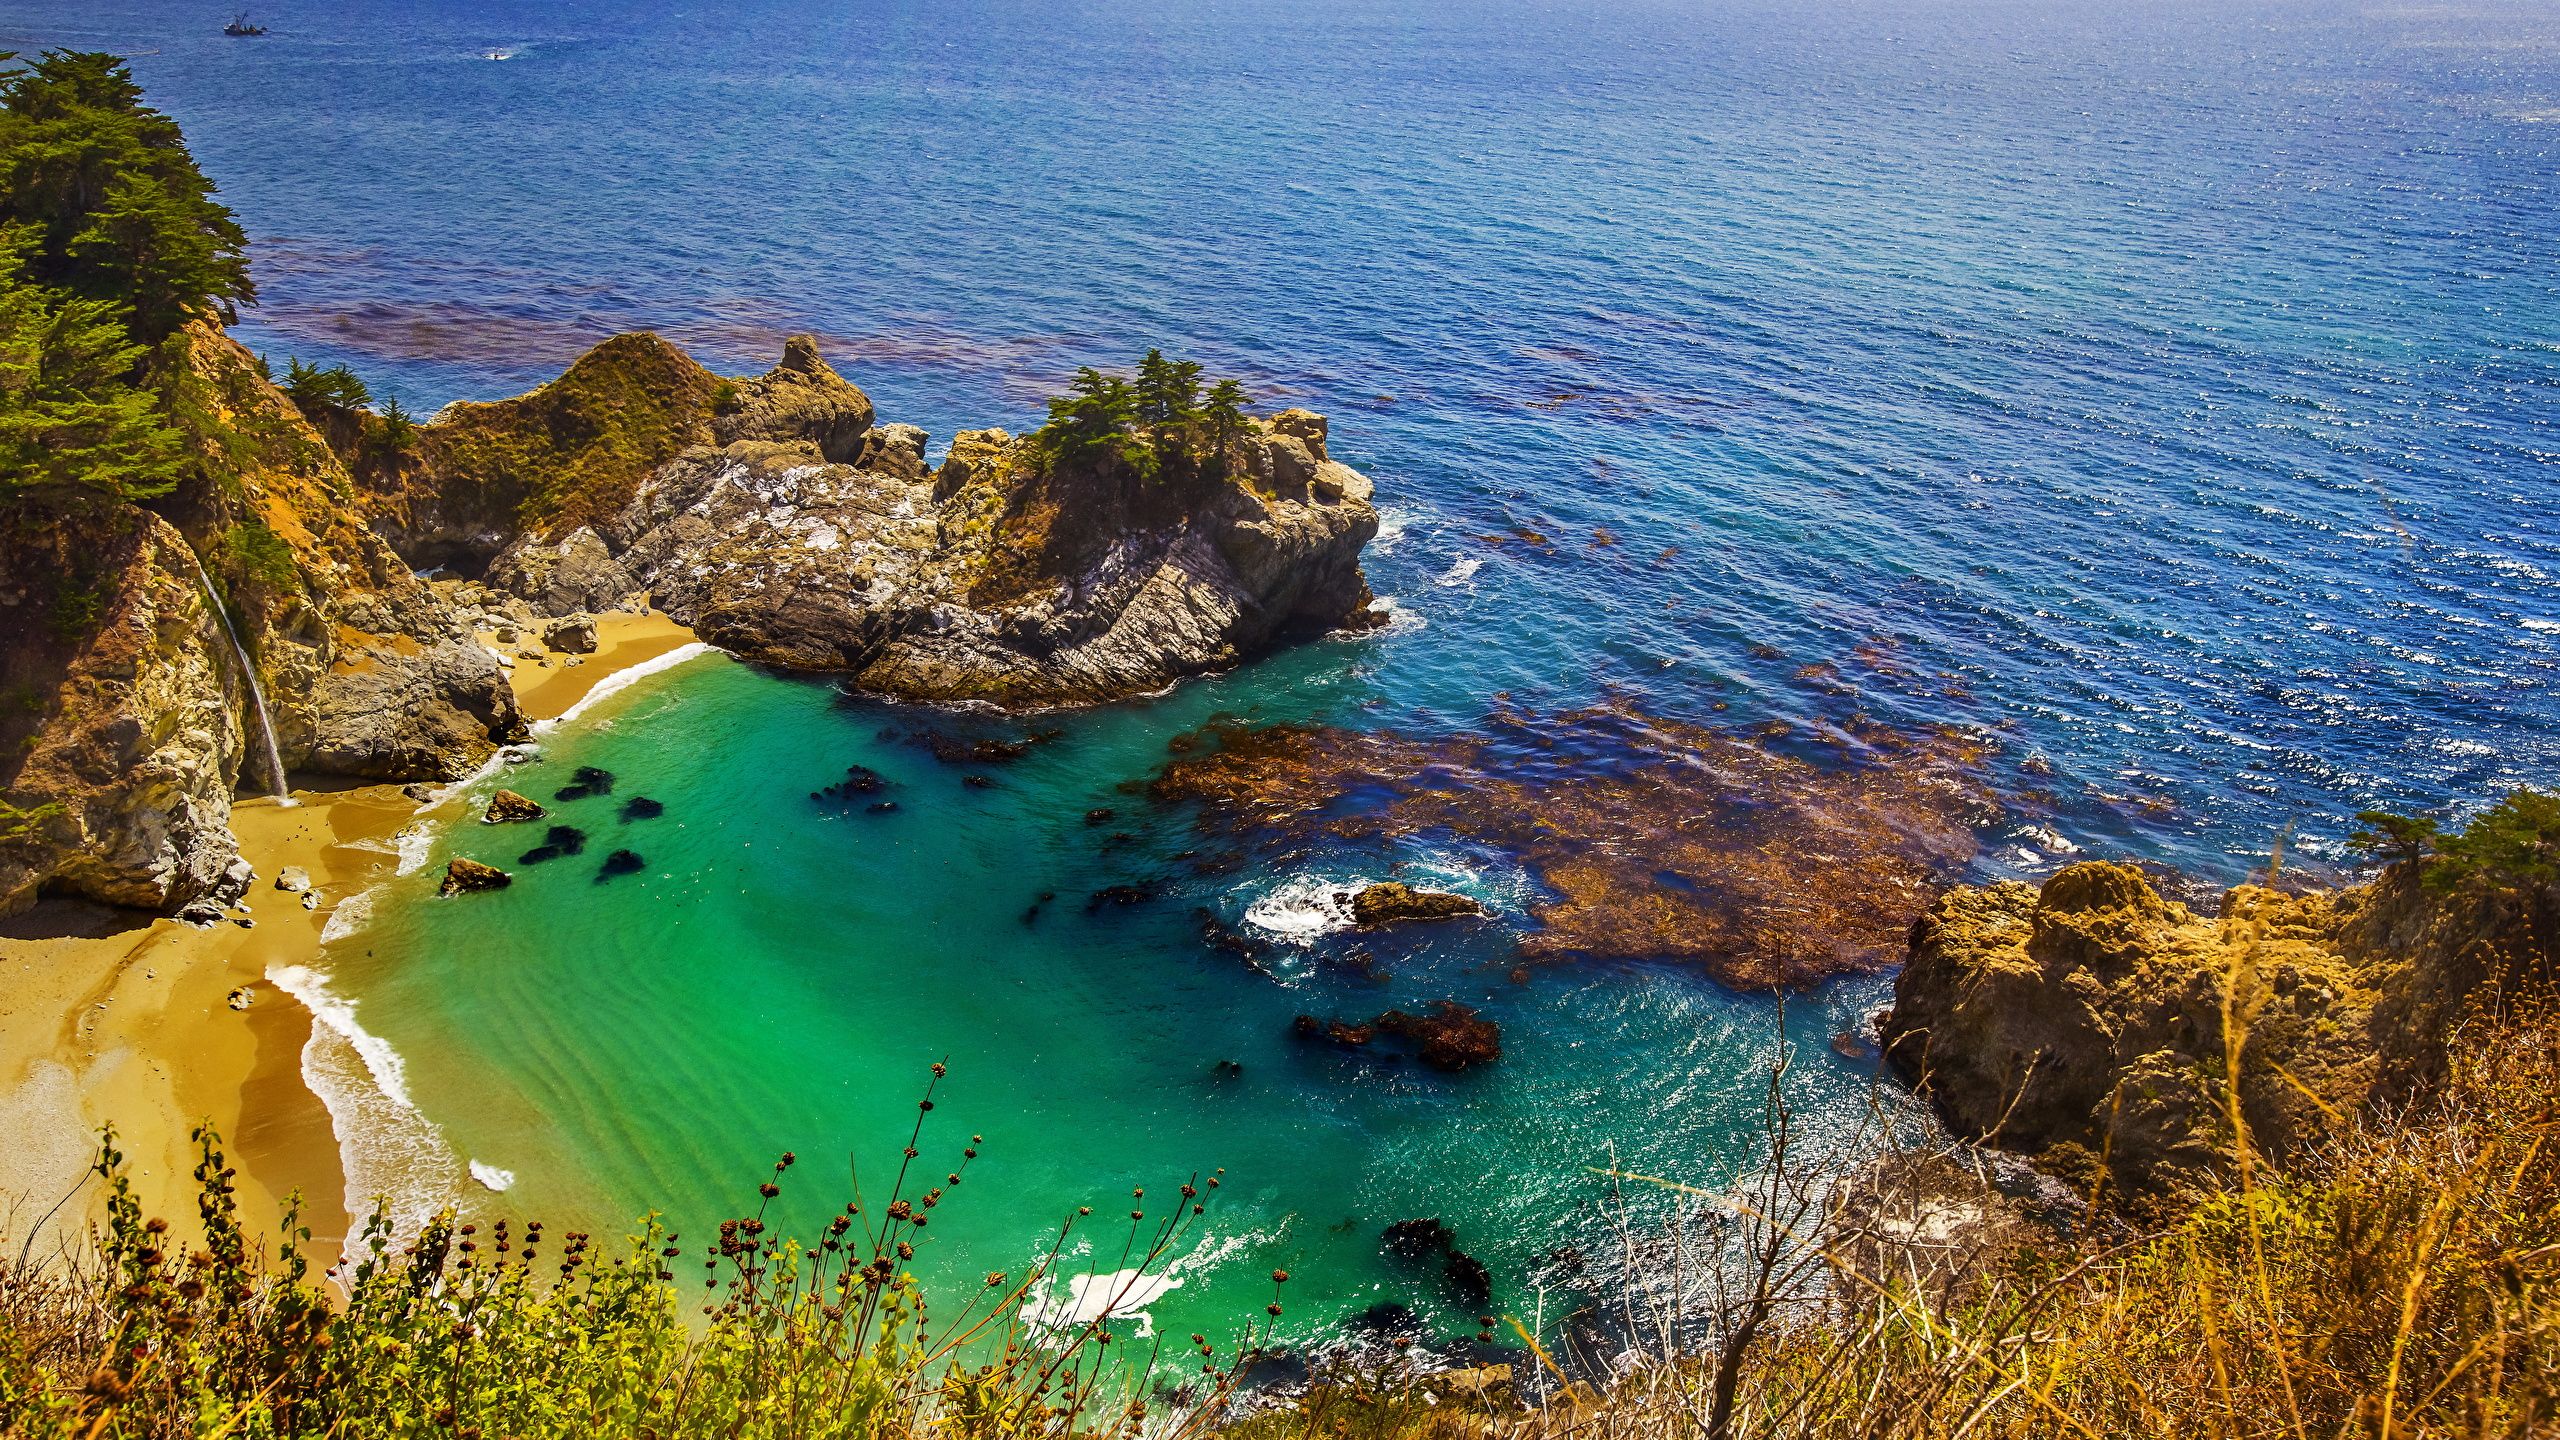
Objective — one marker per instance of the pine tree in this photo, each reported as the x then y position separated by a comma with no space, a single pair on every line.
1224,412
119,210
73,426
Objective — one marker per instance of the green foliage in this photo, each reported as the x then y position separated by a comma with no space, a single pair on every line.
390,435
253,551
333,386
73,425
118,209
725,398
494,1329
2395,838
2514,842
20,824
1158,423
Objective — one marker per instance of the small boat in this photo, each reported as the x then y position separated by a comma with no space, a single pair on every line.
240,26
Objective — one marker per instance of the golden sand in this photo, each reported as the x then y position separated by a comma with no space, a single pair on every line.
109,1014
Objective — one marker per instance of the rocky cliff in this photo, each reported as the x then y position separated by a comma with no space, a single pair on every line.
129,717
2105,1027
780,521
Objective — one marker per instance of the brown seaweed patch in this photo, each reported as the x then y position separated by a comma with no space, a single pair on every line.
1660,840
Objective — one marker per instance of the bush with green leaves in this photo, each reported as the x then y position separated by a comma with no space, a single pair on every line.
474,1329
333,387
2515,842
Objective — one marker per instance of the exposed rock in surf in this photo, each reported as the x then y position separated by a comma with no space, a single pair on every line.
1390,901
507,808
620,862
462,877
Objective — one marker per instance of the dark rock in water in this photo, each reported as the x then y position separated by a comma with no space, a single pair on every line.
620,862
584,781
1451,1037
641,807
420,791
880,807
1389,902
1227,1069
978,782
1308,1027
558,841
1032,915
953,750
1416,1239
1118,895
858,781
1468,1280
1386,1320
507,807
1099,816
464,876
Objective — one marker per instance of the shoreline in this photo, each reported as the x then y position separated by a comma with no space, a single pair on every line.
113,1014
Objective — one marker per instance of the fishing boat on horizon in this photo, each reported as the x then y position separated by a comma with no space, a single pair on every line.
240,26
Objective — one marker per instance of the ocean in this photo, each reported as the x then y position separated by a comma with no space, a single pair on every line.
2168,395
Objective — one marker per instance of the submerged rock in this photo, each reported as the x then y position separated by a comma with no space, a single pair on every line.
620,862
559,841
1416,1239
507,807
461,877
1390,901
584,781
1449,1036
641,807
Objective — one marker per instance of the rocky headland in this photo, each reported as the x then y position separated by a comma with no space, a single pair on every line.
380,576
132,712
782,522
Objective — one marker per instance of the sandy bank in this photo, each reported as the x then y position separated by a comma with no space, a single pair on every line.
114,1014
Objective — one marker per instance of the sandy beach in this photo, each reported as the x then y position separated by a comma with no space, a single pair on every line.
110,1015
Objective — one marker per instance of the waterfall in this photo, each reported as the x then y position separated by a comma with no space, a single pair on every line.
248,672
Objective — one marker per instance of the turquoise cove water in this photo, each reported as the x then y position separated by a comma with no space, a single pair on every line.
2166,393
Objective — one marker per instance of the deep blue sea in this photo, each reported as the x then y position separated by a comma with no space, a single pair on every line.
2171,391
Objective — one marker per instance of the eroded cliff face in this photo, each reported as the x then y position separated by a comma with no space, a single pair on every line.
130,719
2096,1022
807,536
120,729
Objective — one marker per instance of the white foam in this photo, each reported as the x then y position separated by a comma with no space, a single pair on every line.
1122,1294
393,1156
2547,627
491,1177
1391,528
621,680
390,1073
1461,572
1304,908
347,917
412,845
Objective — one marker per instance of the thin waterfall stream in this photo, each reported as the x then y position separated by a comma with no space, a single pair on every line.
249,673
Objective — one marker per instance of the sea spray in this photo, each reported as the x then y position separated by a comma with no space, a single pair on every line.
394,1156
249,674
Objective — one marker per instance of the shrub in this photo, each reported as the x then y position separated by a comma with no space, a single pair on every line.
468,1330
254,552
332,386
74,427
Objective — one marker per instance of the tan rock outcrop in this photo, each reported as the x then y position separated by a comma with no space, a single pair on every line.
2097,1022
